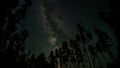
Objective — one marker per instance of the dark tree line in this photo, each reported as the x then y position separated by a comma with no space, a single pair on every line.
83,51
80,52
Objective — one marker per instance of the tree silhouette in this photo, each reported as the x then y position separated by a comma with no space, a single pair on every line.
103,45
65,53
112,18
52,60
11,40
41,61
83,51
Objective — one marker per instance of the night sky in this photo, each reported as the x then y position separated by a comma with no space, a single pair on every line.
50,22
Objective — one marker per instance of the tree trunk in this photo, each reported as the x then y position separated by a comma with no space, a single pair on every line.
102,60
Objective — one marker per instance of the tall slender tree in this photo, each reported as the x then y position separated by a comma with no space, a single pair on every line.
112,18
11,40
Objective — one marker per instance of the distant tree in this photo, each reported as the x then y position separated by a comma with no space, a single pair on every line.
32,62
65,53
41,61
85,37
52,60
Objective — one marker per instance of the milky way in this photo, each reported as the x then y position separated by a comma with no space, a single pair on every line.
51,21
